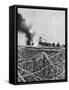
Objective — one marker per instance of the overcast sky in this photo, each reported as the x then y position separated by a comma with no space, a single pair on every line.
49,24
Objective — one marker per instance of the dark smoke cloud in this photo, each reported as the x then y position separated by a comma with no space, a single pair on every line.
22,27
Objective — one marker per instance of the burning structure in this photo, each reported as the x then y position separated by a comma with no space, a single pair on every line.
23,28
31,38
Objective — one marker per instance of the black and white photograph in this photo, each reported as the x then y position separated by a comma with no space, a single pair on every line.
34,45
41,45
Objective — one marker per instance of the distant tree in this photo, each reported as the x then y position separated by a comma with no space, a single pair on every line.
58,45
63,45
53,44
49,44
40,39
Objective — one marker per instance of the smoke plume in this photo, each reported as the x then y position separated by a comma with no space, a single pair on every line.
22,27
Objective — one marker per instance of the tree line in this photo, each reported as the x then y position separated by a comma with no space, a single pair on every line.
49,44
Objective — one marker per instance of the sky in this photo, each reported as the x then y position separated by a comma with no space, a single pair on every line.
49,24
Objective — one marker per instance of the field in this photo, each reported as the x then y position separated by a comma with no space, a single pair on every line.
40,63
